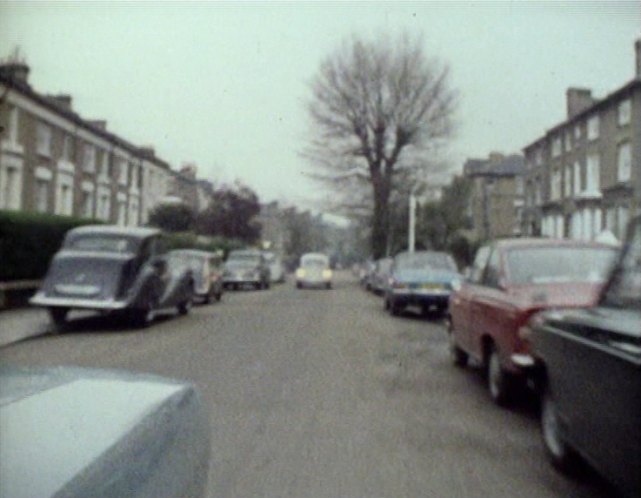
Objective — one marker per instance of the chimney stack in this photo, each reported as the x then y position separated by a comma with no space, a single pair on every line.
17,72
62,100
578,100
99,123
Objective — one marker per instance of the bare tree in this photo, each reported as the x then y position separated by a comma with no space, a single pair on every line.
377,109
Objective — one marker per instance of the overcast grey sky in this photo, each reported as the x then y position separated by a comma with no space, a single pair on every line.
224,85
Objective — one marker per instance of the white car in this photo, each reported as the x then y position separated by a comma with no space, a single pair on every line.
314,271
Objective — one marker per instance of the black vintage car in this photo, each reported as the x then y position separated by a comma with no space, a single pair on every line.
114,269
588,366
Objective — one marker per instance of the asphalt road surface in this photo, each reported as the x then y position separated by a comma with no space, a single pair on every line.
316,393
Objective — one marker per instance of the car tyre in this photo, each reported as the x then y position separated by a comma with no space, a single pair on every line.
59,317
458,356
394,309
560,454
142,317
299,285
185,306
328,286
499,381
218,296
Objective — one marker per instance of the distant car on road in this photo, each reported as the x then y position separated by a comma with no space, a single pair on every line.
588,369
246,267
381,275
422,278
314,271
510,280
75,432
206,270
114,269
276,268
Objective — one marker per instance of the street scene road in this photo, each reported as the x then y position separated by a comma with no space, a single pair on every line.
321,393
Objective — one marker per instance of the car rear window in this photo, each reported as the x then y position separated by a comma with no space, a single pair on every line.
540,265
314,262
102,244
426,261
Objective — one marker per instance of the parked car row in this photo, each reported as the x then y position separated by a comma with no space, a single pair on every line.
562,318
128,271
558,318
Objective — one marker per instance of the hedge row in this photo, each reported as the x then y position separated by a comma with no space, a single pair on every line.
29,240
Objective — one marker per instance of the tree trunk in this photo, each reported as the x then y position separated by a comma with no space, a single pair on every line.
380,221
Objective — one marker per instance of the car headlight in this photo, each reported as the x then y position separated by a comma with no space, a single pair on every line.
300,273
327,274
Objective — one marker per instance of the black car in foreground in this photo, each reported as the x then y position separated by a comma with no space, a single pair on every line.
77,432
588,368
114,269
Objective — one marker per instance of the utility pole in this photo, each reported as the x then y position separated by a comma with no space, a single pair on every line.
411,236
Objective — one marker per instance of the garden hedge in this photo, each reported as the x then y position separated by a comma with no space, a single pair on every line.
29,240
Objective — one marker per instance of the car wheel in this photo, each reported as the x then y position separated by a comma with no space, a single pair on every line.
218,296
499,382
267,285
59,316
299,285
328,286
142,317
558,451
386,304
458,356
185,306
394,309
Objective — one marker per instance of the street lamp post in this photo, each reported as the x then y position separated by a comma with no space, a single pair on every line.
411,235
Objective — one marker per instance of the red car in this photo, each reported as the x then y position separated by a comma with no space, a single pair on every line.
509,281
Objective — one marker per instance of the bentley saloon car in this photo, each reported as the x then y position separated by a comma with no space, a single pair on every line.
423,279
510,280
81,433
114,269
314,271
207,272
588,367
246,267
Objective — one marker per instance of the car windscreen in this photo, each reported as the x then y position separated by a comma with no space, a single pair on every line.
426,261
540,265
102,243
314,262
243,261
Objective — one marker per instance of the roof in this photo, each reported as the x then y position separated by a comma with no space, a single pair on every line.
511,165
136,232
25,89
598,104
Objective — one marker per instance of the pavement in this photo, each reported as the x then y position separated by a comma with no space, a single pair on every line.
22,323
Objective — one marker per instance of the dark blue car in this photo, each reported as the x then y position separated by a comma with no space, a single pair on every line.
422,278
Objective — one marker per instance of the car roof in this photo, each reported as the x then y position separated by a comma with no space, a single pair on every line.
135,232
314,255
526,242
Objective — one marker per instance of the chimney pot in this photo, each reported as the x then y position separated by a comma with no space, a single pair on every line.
99,123
61,100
